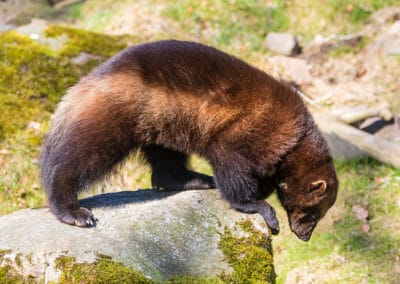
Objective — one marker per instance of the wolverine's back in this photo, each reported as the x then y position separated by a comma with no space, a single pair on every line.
183,66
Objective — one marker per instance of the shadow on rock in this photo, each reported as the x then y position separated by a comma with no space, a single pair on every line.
114,199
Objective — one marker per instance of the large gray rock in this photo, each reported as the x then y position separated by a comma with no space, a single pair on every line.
160,234
341,148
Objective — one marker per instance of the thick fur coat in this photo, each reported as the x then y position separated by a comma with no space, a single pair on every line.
169,99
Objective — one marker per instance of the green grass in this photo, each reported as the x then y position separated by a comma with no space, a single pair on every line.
74,11
96,15
359,11
224,23
309,18
236,24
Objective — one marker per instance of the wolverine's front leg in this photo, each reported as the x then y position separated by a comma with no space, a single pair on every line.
242,191
263,208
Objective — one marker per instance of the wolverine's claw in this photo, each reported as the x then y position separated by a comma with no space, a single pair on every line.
81,217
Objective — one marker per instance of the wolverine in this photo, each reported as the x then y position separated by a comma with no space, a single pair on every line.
169,99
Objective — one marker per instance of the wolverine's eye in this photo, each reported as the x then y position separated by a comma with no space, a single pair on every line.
310,218
315,217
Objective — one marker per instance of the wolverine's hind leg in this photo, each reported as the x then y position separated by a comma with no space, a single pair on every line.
62,192
170,172
69,165
89,136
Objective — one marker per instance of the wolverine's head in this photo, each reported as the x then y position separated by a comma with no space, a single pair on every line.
307,189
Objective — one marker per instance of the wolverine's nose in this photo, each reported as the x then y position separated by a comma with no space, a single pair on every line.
304,238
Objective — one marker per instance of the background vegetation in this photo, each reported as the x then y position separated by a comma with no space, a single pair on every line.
33,79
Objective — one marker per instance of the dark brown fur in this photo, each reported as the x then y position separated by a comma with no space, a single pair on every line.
169,99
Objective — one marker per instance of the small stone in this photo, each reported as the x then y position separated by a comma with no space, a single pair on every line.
83,58
365,228
4,28
34,125
338,258
379,180
34,36
395,29
282,43
391,46
386,15
296,69
360,212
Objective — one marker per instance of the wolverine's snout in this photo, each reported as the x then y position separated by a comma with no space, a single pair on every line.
302,225
304,231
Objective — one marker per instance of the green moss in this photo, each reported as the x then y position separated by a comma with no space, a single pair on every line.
249,255
3,252
85,41
7,274
30,81
194,280
103,270
18,261
34,77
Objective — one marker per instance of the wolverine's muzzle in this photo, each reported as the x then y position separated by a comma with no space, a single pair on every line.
303,232
303,226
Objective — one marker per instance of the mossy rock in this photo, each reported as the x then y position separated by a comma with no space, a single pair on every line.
144,236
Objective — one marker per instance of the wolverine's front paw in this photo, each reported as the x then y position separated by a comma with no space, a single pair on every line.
80,217
264,209
269,215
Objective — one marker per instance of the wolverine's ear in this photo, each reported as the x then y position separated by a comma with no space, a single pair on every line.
318,187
